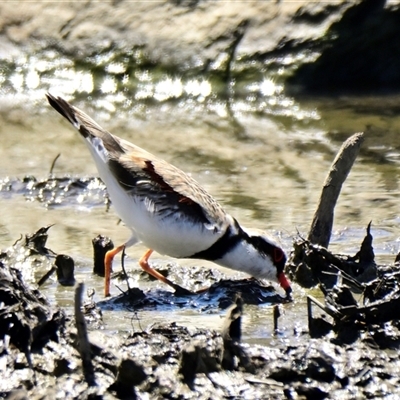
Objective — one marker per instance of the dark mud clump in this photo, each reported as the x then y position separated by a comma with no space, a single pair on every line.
219,295
41,351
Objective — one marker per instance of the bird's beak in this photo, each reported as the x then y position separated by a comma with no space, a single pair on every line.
285,283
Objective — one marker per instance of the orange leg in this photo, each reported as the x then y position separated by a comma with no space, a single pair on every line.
143,262
108,267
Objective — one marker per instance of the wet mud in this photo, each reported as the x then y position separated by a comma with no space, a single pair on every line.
347,352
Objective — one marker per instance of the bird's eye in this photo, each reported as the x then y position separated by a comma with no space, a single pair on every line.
279,255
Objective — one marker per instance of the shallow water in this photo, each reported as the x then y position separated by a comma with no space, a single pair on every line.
267,170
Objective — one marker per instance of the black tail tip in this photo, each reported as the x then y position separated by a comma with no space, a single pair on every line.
53,100
63,107
50,97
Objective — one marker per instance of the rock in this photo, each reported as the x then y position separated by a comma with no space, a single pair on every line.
101,245
231,334
65,270
129,375
175,36
197,359
353,60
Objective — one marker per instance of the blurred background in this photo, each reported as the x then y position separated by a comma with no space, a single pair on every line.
253,99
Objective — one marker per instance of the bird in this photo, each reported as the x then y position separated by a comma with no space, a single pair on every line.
169,212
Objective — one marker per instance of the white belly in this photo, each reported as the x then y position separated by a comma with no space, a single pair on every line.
174,237
167,235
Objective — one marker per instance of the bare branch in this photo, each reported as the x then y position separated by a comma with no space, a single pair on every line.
321,227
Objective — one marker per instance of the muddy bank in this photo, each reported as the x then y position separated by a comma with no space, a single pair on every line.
42,352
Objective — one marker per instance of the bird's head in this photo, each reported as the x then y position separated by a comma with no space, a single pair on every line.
273,253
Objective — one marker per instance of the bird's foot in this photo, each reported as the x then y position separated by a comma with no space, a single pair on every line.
180,291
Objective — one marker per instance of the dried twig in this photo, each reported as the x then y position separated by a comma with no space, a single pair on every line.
54,163
330,311
46,276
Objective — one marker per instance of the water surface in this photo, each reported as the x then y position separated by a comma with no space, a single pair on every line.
267,169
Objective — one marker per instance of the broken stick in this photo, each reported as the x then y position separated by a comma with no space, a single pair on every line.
84,344
321,227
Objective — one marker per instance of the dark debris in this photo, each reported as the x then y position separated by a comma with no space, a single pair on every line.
361,297
38,342
39,353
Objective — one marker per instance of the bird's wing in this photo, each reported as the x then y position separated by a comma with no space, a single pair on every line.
170,179
138,171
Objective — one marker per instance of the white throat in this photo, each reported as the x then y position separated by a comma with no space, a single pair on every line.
244,257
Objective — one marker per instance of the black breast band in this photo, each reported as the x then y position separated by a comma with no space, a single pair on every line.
231,237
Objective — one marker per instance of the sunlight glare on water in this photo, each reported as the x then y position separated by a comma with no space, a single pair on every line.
34,75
